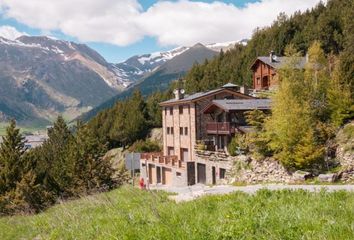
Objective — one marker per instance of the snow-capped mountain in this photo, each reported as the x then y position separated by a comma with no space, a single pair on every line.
69,51
138,66
41,77
225,45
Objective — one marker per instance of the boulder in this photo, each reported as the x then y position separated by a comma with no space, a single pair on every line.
301,175
329,177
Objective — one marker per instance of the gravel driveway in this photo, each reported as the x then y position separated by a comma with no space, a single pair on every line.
195,191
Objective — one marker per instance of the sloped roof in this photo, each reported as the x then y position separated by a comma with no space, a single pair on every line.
278,62
195,96
238,104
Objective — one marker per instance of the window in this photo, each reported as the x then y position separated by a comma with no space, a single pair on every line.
181,131
222,173
170,151
185,131
171,130
178,174
168,130
258,80
180,109
171,110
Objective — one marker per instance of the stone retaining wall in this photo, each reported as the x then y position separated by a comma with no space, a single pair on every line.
248,170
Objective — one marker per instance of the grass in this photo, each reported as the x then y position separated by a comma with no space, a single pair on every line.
129,213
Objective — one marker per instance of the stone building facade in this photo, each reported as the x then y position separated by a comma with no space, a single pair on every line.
186,129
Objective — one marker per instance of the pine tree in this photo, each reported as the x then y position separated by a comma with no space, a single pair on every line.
340,100
90,170
55,166
11,152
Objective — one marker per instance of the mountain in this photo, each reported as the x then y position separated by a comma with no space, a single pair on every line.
138,66
160,78
41,77
225,45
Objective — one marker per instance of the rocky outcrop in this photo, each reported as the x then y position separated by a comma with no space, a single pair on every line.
329,177
156,135
345,146
300,176
249,170
117,158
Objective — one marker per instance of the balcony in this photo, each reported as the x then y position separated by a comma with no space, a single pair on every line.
220,128
157,157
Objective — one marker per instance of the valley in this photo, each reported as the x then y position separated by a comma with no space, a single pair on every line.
42,77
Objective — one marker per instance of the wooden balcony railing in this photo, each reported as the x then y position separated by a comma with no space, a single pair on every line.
157,157
220,128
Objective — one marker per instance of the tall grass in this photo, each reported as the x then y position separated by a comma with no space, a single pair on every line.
128,213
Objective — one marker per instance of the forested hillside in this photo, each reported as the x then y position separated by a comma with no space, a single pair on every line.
332,25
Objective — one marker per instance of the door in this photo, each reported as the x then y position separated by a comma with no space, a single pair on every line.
152,173
214,175
201,174
191,173
158,174
166,176
265,82
184,154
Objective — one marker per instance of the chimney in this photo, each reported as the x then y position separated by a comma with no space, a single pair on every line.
179,93
307,57
271,56
243,89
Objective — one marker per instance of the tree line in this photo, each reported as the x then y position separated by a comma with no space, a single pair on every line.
69,164
130,120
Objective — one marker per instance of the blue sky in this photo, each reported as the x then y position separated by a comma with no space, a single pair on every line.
119,29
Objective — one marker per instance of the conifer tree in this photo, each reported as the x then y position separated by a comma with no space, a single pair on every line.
55,165
90,170
11,152
340,100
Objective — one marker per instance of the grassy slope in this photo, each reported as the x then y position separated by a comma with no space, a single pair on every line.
128,213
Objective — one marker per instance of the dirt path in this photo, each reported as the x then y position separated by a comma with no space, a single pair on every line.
195,191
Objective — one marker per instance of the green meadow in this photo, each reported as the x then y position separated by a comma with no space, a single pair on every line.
128,213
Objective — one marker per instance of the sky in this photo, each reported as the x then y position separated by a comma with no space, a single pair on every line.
119,29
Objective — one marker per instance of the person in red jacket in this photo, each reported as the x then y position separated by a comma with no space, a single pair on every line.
141,183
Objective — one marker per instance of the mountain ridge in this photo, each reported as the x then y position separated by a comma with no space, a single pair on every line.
42,77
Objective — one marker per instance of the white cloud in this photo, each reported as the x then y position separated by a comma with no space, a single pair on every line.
9,32
124,22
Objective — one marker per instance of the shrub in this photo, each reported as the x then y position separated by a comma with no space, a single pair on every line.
238,145
145,146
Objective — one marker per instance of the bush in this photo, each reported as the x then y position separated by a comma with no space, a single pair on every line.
145,146
238,145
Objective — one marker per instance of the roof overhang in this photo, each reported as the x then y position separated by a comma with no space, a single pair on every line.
185,101
211,107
